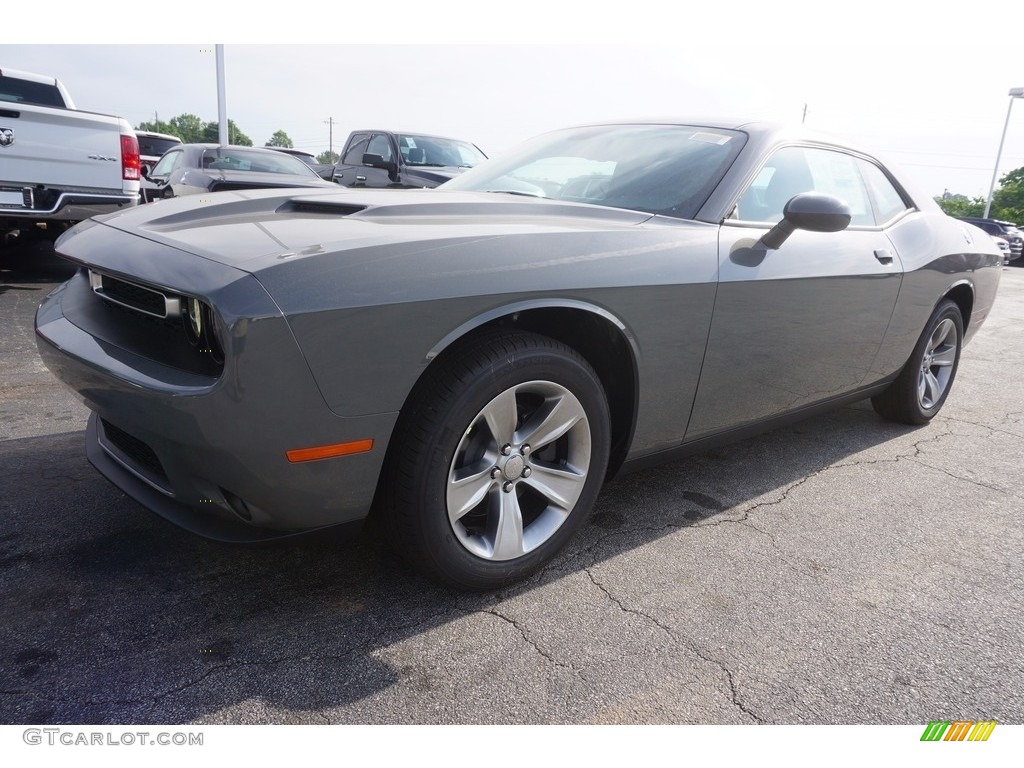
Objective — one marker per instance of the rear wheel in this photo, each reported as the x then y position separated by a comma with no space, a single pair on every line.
925,381
497,460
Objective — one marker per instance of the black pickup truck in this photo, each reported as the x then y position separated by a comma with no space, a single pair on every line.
373,158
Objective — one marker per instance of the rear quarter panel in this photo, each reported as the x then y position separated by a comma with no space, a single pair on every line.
938,253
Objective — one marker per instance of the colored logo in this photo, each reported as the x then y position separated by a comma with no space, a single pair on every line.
958,730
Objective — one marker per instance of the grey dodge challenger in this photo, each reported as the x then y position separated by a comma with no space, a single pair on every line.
472,362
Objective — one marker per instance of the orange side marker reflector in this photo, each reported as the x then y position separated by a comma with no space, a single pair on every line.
329,451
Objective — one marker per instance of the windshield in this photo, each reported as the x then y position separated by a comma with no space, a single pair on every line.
436,151
667,169
231,159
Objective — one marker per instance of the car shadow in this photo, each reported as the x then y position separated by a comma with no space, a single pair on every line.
114,616
22,267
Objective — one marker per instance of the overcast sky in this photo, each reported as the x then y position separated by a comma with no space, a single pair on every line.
923,88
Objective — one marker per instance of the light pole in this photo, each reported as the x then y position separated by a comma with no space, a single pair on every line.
1015,93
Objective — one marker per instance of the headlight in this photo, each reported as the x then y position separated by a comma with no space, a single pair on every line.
201,328
195,317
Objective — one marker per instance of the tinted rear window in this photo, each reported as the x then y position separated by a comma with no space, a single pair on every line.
155,147
28,92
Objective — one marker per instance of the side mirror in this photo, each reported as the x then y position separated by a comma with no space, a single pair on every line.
811,211
378,161
145,171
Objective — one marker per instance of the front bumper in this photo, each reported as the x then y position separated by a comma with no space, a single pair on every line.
208,451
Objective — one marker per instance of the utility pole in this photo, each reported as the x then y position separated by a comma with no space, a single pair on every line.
330,135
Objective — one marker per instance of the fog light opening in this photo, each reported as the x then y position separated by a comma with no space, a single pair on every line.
238,506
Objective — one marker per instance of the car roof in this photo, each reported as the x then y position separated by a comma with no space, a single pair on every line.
201,145
155,135
424,134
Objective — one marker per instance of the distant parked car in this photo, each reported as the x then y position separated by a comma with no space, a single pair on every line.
1002,229
374,158
197,168
323,170
152,146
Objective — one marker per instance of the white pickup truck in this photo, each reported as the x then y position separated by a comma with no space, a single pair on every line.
59,165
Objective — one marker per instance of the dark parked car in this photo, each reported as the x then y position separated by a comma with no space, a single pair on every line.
375,158
1004,229
474,361
191,169
152,146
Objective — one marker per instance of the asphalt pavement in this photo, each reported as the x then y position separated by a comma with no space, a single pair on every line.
843,570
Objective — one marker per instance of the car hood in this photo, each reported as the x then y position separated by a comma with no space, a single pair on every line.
256,229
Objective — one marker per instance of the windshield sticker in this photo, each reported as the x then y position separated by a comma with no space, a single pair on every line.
711,138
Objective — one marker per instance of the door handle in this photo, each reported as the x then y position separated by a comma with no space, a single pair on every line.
883,256
360,178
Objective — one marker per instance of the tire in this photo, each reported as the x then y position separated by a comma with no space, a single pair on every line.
468,499
919,391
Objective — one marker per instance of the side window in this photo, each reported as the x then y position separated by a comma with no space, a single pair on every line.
355,154
793,170
785,174
836,174
380,145
167,163
889,203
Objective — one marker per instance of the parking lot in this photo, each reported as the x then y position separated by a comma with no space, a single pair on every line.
843,570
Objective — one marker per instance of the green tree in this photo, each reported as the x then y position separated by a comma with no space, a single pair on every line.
187,127
961,205
211,134
280,139
1008,200
156,126
328,157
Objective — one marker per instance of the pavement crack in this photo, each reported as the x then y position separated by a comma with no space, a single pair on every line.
684,641
528,640
989,427
967,479
618,603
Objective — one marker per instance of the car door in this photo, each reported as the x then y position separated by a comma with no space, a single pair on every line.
351,162
800,324
361,175
158,183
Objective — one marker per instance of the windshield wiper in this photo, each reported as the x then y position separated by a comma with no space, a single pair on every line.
514,192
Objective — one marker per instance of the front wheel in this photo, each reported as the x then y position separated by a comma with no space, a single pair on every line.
925,381
497,460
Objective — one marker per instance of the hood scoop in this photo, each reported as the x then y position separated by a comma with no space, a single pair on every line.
325,207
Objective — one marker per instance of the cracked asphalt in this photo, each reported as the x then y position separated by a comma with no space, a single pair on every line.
843,570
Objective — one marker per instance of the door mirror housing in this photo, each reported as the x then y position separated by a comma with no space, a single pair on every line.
812,211
378,161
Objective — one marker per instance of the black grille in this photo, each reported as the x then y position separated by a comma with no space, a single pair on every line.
134,449
135,296
154,336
